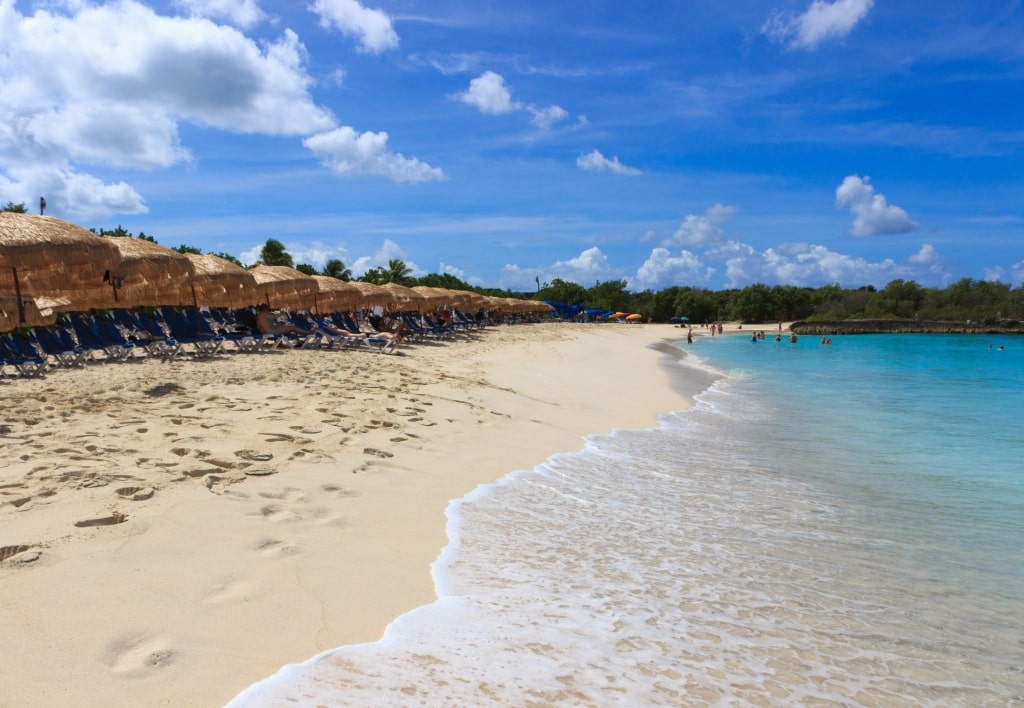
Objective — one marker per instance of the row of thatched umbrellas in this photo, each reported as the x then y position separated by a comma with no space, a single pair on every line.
49,266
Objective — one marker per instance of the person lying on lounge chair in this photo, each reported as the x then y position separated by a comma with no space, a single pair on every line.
328,327
268,324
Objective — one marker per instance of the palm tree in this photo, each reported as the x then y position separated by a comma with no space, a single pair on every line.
274,254
399,272
334,268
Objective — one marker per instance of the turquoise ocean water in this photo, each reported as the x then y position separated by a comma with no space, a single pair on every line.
828,525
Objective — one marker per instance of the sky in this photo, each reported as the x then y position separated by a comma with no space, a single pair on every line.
660,142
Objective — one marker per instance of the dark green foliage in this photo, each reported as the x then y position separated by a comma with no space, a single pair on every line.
274,254
334,268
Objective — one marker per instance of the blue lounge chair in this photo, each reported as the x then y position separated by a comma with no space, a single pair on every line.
19,353
57,344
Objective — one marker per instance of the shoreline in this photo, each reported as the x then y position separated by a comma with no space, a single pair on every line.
176,560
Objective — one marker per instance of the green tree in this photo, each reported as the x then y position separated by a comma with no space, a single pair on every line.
307,269
334,268
377,276
698,305
273,253
398,272
559,290
16,208
188,249
610,295
754,303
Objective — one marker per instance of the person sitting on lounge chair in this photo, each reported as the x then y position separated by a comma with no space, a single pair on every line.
268,324
328,327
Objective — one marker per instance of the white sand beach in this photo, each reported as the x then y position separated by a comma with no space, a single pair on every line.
171,532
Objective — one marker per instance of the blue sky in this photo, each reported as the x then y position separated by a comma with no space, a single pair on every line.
664,143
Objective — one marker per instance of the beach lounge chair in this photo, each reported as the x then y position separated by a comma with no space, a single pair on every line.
57,344
115,344
17,352
381,345
186,331
148,332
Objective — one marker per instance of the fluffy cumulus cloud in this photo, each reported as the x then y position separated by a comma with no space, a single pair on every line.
489,93
589,266
872,214
241,13
699,230
821,21
388,251
372,28
1013,275
813,265
106,86
545,118
663,269
89,88
350,153
594,161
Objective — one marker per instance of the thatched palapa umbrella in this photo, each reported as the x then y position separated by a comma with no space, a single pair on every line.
281,286
29,311
409,299
44,256
373,295
148,274
217,282
336,295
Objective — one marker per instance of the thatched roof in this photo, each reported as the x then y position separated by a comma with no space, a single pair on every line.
281,286
220,283
33,242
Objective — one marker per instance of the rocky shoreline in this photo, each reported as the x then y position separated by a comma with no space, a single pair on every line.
907,327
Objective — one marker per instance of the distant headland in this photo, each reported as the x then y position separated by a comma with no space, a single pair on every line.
907,326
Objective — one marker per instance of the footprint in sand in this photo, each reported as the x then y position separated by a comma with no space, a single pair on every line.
112,520
377,453
272,548
18,555
277,514
254,456
286,494
335,490
230,591
139,656
135,493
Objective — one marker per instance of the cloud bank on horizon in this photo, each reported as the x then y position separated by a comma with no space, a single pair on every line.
796,143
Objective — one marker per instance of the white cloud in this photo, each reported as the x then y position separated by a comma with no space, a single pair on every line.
451,270
813,265
490,94
388,251
662,270
585,269
241,13
371,27
1013,276
596,162
873,215
704,229
544,118
108,86
349,153
822,20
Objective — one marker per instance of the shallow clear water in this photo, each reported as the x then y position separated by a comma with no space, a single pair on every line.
829,525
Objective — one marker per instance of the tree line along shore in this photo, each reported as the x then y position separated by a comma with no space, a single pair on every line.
967,305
